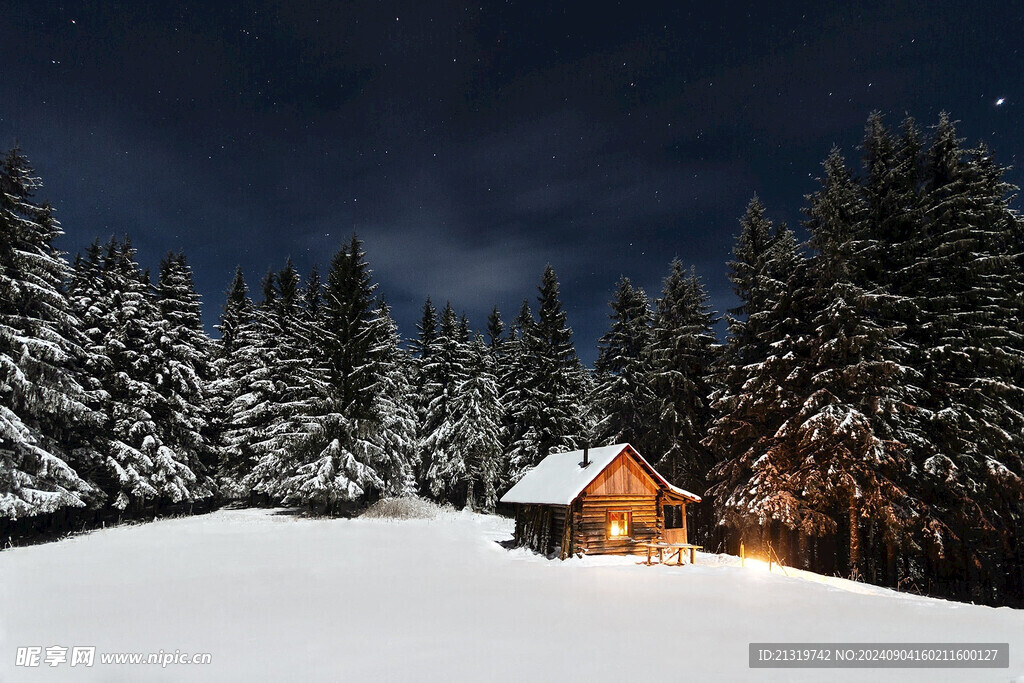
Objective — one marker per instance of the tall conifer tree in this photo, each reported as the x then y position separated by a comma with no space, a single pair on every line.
46,415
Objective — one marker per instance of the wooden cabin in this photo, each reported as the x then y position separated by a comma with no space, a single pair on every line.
597,501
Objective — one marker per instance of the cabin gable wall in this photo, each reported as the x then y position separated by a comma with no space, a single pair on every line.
622,477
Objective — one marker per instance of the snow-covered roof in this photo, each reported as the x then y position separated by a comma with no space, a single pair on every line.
560,477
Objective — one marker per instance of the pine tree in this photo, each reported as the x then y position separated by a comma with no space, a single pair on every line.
297,397
313,294
761,377
495,329
477,428
333,477
623,395
237,360
250,464
849,438
421,347
748,272
337,455
348,304
395,432
426,329
237,312
517,395
45,412
970,348
183,373
683,352
548,408
444,371
144,468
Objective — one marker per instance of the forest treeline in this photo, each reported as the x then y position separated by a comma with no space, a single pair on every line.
864,416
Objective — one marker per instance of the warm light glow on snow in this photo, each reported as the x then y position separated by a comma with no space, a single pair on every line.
759,565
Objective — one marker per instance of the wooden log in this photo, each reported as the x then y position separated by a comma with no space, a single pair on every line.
642,510
594,526
601,522
625,502
638,522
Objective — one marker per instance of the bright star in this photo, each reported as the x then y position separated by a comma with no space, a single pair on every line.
1000,101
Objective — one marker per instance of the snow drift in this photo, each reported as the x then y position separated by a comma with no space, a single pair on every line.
275,597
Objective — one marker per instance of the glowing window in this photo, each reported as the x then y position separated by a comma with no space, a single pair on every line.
620,524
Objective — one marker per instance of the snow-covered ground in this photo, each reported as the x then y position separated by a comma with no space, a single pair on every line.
274,597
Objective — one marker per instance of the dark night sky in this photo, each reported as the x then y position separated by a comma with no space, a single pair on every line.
469,146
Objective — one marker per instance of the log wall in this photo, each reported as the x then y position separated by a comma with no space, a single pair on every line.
540,527
590,527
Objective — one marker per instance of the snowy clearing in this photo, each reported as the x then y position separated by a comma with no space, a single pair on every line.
275,597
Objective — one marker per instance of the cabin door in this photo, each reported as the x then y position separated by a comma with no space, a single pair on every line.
675,524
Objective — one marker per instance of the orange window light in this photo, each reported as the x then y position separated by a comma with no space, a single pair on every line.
618,524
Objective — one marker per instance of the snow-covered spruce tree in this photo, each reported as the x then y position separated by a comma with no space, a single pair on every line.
339,461
236,360
444,371
183,372
851,438
91,303
395,427
623,396
548,408
893,174
253,393
236,314
764,259
45,413
143,467
348,309
426,330
296,387
761,377
682,355
944,236
420,347
313,294
971,353
477,429
495,330
85,292
516,395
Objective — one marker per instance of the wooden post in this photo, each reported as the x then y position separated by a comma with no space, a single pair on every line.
853,523
682,511
743,557
693,555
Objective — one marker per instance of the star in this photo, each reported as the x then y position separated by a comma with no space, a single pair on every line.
1000,101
